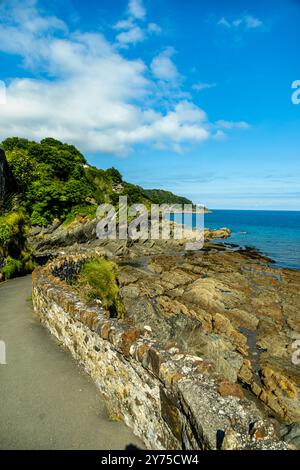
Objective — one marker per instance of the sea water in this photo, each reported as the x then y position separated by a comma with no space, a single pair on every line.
275,233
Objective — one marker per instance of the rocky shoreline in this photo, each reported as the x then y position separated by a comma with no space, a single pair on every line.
170,398
225,304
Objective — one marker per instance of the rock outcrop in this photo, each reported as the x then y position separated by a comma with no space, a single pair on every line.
81,233
229,308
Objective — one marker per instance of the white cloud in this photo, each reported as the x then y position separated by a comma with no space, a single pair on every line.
245,22
124,24
224,22
189,112
137,9
2,93
163,67
220,135
132,36
21,27
26,13
185,123
236,23
96,98
133,31
203,86
232,125
154,28
252,22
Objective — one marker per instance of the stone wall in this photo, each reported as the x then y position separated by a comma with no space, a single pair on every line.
169,399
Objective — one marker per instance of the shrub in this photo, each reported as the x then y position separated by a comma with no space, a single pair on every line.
12,267
98,280
114,175
14,248
12,228
17,223
38,219
22,167
5,235
84,211
49,176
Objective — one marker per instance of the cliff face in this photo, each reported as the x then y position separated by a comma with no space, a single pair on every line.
5,177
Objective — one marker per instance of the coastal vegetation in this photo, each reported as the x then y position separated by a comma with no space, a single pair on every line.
98,281
51,181
15,253
54,181
159,196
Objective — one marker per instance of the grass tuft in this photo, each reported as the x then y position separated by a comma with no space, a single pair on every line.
98,280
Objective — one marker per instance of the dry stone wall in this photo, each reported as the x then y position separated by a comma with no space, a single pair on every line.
169,399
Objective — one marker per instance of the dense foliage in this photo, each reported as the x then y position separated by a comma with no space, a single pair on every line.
15,254
159,196
53,181
49,177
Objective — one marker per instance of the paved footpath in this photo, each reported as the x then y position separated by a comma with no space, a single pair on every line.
46,401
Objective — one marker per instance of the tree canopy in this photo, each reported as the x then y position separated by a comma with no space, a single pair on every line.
53,180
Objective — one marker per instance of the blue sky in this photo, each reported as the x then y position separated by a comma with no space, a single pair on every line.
193,97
